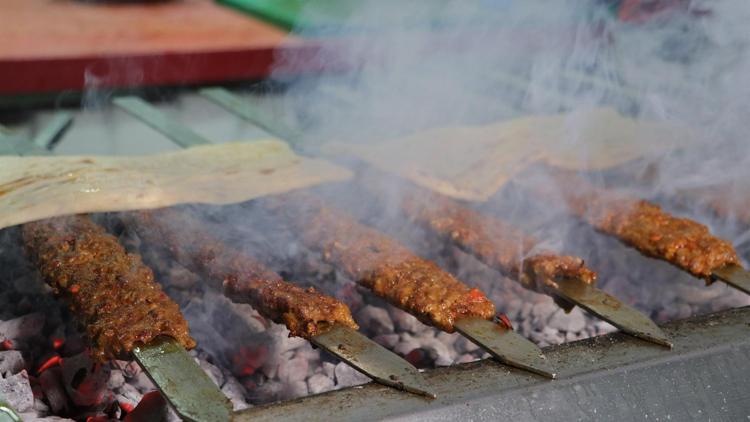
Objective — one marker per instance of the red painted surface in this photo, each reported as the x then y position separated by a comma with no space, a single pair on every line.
54,45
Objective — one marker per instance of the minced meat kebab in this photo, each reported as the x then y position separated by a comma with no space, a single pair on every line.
493,241
645,226
111,292
304,311
380,263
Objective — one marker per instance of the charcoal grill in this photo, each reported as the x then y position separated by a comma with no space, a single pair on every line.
613,377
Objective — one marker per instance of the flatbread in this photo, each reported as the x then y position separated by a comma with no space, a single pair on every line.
34,188
473,163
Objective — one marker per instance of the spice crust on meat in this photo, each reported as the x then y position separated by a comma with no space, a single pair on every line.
304,311
382,264
111,292
682,242
494,242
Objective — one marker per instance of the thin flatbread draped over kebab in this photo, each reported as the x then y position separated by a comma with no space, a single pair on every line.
644,226
111,292
381,264
304,311
34,188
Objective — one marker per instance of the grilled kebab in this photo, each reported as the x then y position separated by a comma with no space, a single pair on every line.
304,311
493,241
111,291
646,227
382,264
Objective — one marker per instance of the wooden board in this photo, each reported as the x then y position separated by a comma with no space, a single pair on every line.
54,45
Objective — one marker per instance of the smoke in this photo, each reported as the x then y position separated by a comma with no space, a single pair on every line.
399,68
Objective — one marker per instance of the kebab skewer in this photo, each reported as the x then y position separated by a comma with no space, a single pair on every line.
494,242
184,384
417,286
407,281
318,318
342,341
114,295
682,242
501,246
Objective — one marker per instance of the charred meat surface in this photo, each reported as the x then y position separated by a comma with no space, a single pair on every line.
493,241
304,311
111,292
381,264
646,227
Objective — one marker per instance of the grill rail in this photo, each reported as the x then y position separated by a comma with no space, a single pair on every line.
613,377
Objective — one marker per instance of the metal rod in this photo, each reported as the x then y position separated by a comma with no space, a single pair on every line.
251,113
53,131
610,309
182,382
373,360
735,276
506,345
146,113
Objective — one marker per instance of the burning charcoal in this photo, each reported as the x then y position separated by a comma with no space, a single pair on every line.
22,327
438,352
388,341
84,380
269,391
129,368
329,369
143,383
128,394
235,392
406,345
406,322
295,389
573,322
116,379
53,389
17,391
11,362
466,358
152,407
212,371
319,383
375,320
464,345
347,376
447,339
293,370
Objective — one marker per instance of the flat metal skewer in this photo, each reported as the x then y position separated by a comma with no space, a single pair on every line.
506,345
356,350
735,276
182,382
610,309
373,360
174,372
590,298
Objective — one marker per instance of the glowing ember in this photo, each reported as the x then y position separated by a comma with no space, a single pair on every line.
49,363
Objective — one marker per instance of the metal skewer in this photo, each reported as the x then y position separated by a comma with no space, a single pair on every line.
735,276
350,346
504,344
174,372
590,298
7,414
